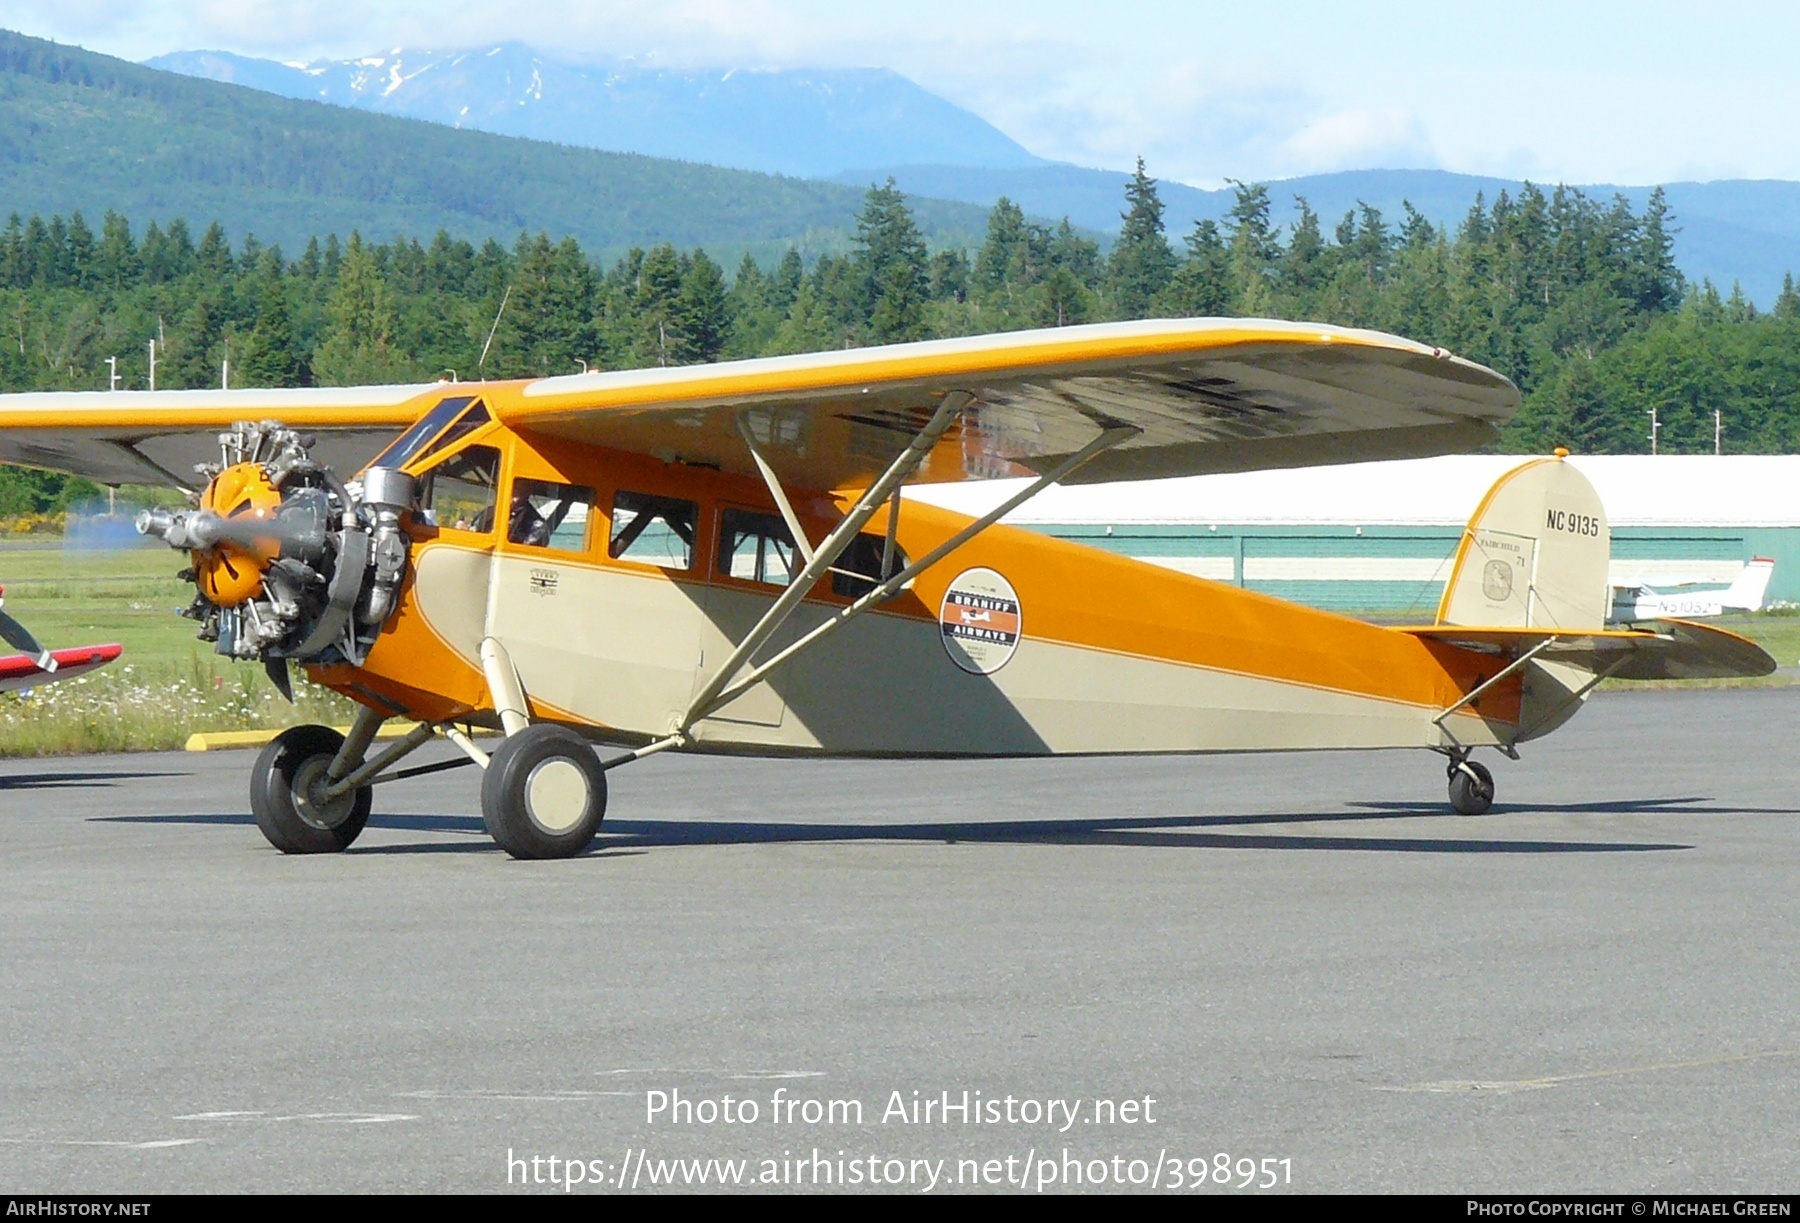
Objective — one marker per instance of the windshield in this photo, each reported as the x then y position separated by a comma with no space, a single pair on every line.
408,444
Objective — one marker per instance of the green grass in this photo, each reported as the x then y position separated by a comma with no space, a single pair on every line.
165,687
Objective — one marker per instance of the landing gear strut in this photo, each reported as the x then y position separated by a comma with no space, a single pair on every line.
1471,785
287,796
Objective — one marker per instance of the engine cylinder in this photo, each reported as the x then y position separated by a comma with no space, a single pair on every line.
288,561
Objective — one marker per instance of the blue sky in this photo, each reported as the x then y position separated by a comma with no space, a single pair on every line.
1595,91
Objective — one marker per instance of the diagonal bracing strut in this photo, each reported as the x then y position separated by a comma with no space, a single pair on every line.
827,553
721,689
1108,438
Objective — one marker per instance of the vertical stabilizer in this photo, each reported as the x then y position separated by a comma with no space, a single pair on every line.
1752,584
1534,555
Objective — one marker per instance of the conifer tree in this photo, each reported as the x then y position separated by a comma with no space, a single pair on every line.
358,344
267,356
1255,249
1142,264
1202,286
702,312
1787,305
891,263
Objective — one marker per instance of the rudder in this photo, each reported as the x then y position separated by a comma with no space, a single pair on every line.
1534,555
1752,584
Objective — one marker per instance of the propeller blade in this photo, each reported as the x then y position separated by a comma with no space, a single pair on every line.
18,636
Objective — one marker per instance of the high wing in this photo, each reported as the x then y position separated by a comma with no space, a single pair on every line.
1206,395
1671,649
1202,395
156,437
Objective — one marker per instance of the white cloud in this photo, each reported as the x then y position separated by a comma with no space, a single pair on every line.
1387,138
1203,89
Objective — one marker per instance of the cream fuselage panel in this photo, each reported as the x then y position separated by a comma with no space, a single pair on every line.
627,651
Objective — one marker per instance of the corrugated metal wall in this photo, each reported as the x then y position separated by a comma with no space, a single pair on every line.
1398,573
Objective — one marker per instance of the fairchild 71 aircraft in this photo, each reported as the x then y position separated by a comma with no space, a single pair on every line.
718,558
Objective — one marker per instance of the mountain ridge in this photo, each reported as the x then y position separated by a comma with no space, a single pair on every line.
1731,232
84,131
806,122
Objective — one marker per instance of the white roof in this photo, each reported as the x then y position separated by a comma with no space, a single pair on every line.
1637,490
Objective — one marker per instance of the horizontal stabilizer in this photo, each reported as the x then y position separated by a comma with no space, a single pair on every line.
1673,649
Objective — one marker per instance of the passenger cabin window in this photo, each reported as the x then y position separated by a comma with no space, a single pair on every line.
653,530
858,568
757,548
459,493
547,515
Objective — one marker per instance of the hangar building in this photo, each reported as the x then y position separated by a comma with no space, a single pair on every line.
1378,538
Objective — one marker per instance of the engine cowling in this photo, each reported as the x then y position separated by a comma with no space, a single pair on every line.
289,562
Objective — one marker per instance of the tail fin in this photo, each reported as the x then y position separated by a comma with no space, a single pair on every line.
1534,555
1747,591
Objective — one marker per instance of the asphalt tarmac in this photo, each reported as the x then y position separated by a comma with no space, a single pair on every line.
1302,959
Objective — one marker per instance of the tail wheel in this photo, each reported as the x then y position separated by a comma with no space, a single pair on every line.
286,785
544,793
1471,787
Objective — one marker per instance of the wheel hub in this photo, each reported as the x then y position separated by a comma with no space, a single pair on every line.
310,803
556,796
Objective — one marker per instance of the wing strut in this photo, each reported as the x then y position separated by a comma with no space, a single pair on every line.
907,462
720,691
775,490
1106,441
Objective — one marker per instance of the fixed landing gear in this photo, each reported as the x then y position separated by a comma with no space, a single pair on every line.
1471,786
544,793
286,794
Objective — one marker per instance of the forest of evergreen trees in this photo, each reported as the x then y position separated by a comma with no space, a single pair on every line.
1577,300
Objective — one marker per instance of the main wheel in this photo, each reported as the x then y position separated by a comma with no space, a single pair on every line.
285,785
544,793
1471,787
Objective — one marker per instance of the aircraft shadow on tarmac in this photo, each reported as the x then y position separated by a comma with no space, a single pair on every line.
62,781
1691,805
1171,832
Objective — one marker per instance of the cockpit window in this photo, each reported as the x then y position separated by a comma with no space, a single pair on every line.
459,493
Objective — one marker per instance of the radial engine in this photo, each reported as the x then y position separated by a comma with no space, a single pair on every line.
289,561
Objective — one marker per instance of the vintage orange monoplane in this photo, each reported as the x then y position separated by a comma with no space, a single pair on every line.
719,558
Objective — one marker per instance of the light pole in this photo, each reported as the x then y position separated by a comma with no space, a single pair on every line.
1655,428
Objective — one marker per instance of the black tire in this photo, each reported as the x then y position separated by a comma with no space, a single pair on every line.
282,785
1471,788
544,793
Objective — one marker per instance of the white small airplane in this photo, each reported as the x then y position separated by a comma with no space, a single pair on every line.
1636,601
